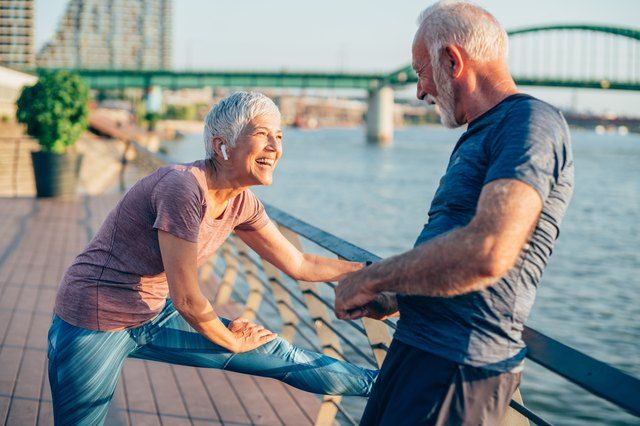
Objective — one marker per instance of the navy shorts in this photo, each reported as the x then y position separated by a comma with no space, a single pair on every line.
418,388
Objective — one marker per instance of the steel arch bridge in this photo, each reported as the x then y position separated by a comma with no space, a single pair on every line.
573,56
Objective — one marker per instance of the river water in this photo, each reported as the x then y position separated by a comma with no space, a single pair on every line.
378,197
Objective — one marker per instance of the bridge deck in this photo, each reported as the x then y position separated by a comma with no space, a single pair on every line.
38,239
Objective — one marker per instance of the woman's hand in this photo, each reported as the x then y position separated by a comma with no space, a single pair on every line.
248,335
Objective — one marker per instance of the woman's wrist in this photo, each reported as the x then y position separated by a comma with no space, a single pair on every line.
222,336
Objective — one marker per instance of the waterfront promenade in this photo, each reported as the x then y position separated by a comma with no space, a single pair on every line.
38,239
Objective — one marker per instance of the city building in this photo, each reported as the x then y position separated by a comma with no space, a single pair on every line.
16,33
111,34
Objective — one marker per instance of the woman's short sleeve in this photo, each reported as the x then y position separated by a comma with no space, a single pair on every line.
177,202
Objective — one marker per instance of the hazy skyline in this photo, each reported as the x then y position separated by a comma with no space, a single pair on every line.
350,36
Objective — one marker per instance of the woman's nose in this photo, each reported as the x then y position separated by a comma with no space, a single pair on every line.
275,143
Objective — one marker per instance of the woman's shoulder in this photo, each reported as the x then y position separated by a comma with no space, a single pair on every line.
173,181
184,176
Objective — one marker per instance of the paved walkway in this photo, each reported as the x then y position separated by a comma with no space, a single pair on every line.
38,239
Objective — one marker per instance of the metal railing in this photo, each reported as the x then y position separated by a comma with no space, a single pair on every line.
302,312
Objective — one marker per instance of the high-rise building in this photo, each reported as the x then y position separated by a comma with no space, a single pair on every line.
16,33
111,34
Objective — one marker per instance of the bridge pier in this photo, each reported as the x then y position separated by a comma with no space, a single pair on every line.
380,115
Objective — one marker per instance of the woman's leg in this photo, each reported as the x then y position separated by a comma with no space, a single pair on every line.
84,367
175,341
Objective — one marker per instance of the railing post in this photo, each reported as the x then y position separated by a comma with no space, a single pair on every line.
512,417
229,276
283,301
379,338
256,289
328,339
207,279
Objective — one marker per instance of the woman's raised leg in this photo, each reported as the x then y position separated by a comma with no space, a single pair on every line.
174,340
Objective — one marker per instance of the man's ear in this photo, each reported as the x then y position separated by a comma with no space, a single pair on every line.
454,60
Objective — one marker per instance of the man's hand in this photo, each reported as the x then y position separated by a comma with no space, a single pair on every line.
248,335
353,294
384,306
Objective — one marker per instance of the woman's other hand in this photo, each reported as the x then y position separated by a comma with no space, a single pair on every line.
249,335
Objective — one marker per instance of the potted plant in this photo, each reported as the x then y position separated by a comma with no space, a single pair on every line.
55,111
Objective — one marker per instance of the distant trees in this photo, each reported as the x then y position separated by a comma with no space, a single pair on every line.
180,112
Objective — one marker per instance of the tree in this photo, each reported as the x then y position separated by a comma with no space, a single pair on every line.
55,110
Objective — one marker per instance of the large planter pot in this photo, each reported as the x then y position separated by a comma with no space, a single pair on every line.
56,174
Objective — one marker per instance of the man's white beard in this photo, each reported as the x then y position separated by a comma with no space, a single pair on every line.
445,100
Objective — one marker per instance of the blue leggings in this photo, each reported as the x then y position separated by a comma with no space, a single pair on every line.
84,365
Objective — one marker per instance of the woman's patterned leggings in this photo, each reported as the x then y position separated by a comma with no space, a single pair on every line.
84,365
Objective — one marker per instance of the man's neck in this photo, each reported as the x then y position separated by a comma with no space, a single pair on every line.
488,87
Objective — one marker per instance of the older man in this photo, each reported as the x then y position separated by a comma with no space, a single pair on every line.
466,289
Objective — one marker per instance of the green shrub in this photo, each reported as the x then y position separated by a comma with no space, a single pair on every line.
55,110
180,112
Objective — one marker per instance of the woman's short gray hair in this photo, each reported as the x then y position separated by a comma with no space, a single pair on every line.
227,118
465,24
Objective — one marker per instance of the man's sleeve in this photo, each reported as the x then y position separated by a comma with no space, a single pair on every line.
530,145
176,202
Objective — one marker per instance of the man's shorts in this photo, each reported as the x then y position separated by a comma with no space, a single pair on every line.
418,388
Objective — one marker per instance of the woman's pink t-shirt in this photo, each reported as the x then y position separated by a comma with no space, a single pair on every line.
118,281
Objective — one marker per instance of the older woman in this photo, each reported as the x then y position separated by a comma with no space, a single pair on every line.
113,301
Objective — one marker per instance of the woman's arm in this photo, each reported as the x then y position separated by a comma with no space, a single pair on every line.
272,246
180,263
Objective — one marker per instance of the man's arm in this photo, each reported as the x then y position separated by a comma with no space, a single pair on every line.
180,263
272,246
464,260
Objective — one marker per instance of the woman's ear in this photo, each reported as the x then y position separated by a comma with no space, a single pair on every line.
217,142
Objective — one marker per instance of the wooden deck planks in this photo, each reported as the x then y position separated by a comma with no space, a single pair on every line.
38,239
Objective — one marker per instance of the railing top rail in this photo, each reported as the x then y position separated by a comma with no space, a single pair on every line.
595,376
322,238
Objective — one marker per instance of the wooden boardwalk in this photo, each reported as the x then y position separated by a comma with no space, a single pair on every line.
38,239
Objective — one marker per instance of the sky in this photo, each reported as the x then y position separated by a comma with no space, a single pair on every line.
347,35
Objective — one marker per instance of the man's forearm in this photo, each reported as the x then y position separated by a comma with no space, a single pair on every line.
453,264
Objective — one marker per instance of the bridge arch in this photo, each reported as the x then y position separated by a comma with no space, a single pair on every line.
567,55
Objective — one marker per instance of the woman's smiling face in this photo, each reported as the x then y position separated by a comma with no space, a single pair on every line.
257,150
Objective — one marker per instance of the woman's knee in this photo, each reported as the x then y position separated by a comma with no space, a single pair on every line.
277,347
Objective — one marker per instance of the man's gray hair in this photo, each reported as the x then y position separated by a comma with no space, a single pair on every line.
227,118
464,24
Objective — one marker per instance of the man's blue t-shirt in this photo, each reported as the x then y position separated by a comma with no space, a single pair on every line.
521,138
